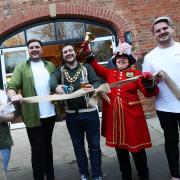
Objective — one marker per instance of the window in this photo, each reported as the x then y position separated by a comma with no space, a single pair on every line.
45,32
56,32
102,48
69,30
16,40
98,31
13,58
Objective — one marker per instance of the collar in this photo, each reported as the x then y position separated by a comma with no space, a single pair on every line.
67,67
43,60
124,70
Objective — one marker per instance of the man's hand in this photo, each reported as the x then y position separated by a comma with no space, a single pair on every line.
13,96
60,89
16,98
159,76
85,49
89,87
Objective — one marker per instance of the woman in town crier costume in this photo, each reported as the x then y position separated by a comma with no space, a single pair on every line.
123,121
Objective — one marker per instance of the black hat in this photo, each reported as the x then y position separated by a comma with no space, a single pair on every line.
131,59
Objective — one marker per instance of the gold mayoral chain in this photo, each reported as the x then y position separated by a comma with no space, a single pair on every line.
75,77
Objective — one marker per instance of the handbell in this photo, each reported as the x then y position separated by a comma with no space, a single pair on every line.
89,37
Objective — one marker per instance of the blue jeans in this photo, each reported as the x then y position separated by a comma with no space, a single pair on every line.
79,125
6,156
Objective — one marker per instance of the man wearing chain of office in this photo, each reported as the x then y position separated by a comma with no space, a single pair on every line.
81,119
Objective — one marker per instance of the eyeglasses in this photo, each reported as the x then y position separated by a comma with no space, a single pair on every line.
164,29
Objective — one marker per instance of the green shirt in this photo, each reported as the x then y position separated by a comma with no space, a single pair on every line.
22,79
5,136
56,79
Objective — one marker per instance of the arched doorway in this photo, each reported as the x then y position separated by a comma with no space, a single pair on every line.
54,34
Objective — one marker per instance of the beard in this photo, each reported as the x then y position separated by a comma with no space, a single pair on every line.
71,61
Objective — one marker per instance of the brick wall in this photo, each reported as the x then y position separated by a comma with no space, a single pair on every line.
134,15
123,15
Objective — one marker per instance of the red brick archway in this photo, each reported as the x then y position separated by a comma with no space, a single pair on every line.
42,12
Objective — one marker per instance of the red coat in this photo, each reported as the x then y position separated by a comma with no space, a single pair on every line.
123,121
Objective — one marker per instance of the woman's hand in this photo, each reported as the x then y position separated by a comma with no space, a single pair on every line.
147,75
85,49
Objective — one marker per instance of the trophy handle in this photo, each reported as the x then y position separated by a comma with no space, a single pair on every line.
89,37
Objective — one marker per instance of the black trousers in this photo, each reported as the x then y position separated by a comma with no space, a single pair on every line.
140,160
41,149
170,124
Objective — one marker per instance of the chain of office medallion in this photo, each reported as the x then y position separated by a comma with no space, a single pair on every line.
75,77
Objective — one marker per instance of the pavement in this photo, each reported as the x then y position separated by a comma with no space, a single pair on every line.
64,159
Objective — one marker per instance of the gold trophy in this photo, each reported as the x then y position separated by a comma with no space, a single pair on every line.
88,38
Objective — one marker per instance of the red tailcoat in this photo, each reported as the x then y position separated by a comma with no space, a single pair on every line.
123,120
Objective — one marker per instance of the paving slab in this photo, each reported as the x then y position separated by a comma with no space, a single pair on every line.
64,159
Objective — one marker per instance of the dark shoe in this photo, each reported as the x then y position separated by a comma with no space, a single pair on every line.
99,178
50,178
83,177
126,178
